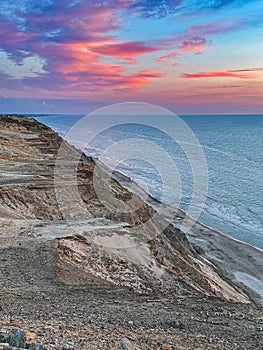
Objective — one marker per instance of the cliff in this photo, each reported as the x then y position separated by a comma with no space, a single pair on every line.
55,265
104,248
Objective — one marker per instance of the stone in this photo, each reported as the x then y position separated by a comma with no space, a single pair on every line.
123,343
17,338
166,347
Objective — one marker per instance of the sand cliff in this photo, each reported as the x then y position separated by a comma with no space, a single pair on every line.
44,253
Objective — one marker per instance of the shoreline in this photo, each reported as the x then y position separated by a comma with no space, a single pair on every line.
181,211
241,262
229,237
210,243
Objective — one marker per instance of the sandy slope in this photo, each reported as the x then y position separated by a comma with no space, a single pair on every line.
108,268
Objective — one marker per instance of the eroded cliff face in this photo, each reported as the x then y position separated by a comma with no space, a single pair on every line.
41,248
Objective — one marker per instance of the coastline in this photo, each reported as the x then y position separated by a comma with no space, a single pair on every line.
61,279
231,215
237,261
240,262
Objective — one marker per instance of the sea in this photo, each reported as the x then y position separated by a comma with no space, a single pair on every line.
233,148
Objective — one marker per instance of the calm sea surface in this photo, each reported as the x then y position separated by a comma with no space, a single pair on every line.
233,146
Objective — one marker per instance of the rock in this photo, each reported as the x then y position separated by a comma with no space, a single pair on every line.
174,324
3,338
166,347
123,344
36,347
17,338
180,325
153,344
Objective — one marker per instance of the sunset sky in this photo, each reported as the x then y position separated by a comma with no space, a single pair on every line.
72,56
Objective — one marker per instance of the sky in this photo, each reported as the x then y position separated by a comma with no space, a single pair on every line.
73,56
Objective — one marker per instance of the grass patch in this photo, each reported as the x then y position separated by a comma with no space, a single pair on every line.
30,124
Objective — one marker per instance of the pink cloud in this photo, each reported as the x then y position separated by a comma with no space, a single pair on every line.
167,58
72,43
76,42
194,39
83,22
195,44
213,28
139,79
125,50
75,66
241,74
191,44
14,42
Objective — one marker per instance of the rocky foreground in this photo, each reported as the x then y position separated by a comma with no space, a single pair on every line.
109,279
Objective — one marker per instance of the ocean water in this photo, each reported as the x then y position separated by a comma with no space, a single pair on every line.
233,146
